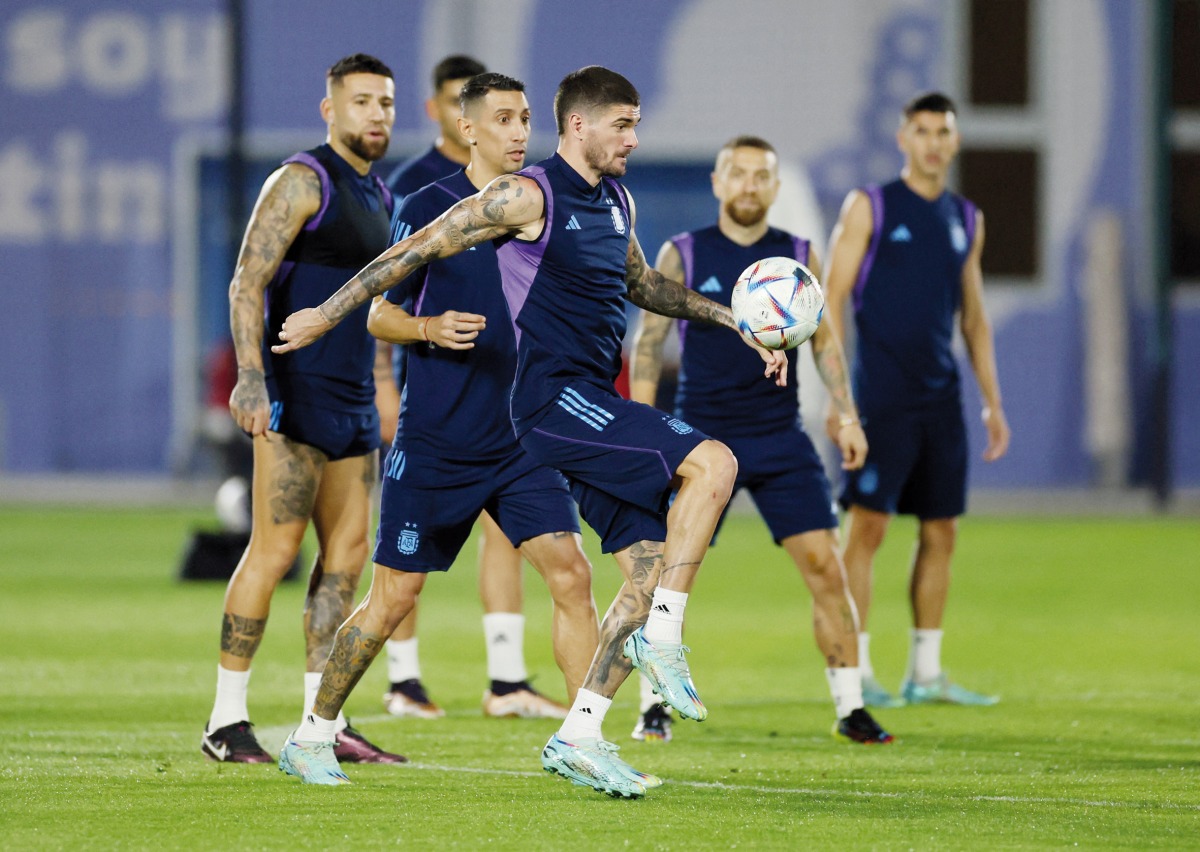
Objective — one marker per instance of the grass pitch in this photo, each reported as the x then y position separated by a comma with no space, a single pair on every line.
1087,628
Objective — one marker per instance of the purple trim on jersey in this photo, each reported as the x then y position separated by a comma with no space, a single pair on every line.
800,247
314,164
284,270
969,222
661,457
519,260
875,195
685,244
389,200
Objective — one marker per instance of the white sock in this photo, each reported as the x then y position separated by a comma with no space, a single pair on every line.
864,655
925,656
648,697
586,717
504,633
314,729
402,660
665,623
312,683
845,685
230,704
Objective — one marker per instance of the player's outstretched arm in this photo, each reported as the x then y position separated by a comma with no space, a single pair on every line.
831,366
848,246
451,330
646,369
507,204
291,195
977,333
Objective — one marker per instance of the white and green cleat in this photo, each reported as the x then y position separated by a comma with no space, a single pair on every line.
942,691
312,763
594,763
666,667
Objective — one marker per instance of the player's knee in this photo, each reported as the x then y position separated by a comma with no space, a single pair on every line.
939,535
867,530
271,557
570,582
716,466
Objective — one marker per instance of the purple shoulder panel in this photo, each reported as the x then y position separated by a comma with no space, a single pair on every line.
874,194
519,260
314,164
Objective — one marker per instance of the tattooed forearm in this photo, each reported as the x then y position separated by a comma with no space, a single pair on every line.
831,365
329,602
240,635
352,653
653,291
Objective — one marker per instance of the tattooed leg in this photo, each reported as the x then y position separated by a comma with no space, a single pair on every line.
286,477
240,636
707,476
641,564
329,601
359,640
835,621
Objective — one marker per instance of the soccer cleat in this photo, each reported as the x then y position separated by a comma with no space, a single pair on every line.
942,691
654,726
234,743
408,699
350,746
666,667
860,727
874,695
522,703
312,763
594,763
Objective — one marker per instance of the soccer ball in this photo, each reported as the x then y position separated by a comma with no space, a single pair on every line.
777,303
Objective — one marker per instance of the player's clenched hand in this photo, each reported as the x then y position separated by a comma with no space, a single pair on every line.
301,329
852,442
455,330
248,403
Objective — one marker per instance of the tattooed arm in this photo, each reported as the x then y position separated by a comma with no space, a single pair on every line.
288,199
509,204
831,365
646,369
847,247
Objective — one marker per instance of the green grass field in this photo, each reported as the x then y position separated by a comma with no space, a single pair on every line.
1087,628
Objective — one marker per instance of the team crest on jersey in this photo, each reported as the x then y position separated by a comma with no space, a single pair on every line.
958,236
408,542
679,426
618,219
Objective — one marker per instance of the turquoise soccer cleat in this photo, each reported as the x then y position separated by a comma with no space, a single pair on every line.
594,763
942,691
312,763
874,695
666,667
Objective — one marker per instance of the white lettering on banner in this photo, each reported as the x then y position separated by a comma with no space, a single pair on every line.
62,197
117,54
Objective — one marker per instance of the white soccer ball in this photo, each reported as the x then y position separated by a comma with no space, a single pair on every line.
233,504
777,303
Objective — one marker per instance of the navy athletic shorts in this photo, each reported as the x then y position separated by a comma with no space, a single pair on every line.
626,451
429,505
916,465
340,433
786,481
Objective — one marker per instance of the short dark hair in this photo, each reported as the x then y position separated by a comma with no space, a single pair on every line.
478,86
588,89
357,63
748,142
929,102
456,67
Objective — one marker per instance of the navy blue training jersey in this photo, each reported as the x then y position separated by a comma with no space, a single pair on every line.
454,403
420,171
908,290
721,387
350,229
566,290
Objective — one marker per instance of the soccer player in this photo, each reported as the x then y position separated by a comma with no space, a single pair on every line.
568,260
500,581
909,254
720,391
311,414
454,427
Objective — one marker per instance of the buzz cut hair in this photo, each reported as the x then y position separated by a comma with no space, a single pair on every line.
591,88
746,141
357,63
476,89
928,102
456,67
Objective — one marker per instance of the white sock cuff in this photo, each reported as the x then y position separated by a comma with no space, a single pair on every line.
504,634
845,685
669,596
403,660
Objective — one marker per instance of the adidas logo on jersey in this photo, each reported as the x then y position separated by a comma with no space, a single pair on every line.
573,224
712,285
901,234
